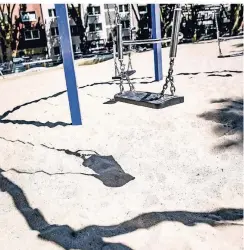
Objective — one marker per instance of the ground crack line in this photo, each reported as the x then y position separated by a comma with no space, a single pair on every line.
44,172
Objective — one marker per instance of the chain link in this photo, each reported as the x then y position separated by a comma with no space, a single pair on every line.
117,14
130,46
169,79
123,74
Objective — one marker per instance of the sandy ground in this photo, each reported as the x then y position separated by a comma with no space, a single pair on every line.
161,179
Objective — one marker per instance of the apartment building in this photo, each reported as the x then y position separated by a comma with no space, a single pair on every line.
52,32
128,16
144,21
95,25
95,21
29,36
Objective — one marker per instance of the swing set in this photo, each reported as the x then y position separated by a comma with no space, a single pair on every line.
141,98
148,99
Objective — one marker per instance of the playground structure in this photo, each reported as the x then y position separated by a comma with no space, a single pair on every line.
148,99
219,38
152,100
186,161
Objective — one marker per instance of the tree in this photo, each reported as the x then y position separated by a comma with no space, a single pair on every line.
167,14
6,29
75,14
236,18
10,27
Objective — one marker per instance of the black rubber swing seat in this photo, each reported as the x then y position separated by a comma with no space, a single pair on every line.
128,73
148,99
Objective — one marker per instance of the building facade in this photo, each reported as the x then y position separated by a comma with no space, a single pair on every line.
96,22
28,32
36,28
52,32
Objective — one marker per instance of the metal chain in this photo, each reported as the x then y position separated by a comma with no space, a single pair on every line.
130,47
117,14
122,74
169,79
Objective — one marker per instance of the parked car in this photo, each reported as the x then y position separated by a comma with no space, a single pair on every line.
6,68
78,55
18,65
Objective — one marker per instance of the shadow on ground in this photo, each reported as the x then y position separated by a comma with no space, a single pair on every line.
213,73
48,123
238,45
231,55
91,237
229,121
107,169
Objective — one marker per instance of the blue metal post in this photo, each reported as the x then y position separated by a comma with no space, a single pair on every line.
157,47
68,62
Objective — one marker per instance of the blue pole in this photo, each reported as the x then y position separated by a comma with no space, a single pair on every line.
157,48
68,62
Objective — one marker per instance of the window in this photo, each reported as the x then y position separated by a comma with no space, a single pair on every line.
97,10
56,51
29,16
142,8
211,16
126,38
51,12
94,10
28,35
125,24
95,27
54,31
124,8
32,35
35,34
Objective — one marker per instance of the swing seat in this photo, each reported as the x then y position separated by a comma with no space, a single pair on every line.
148,99
128,73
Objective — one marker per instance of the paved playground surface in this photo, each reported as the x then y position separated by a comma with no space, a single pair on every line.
174,177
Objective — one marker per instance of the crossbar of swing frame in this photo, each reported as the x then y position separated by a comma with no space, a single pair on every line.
149,41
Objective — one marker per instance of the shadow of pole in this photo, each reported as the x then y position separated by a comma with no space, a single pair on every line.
91,237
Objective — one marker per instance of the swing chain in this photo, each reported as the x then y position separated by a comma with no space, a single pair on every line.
117,14
122,74
130,46
169,79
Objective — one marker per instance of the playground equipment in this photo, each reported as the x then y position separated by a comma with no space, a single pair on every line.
141,98
148,99
68,61
219,38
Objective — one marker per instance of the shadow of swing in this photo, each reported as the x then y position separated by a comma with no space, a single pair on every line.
106,168
91,237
